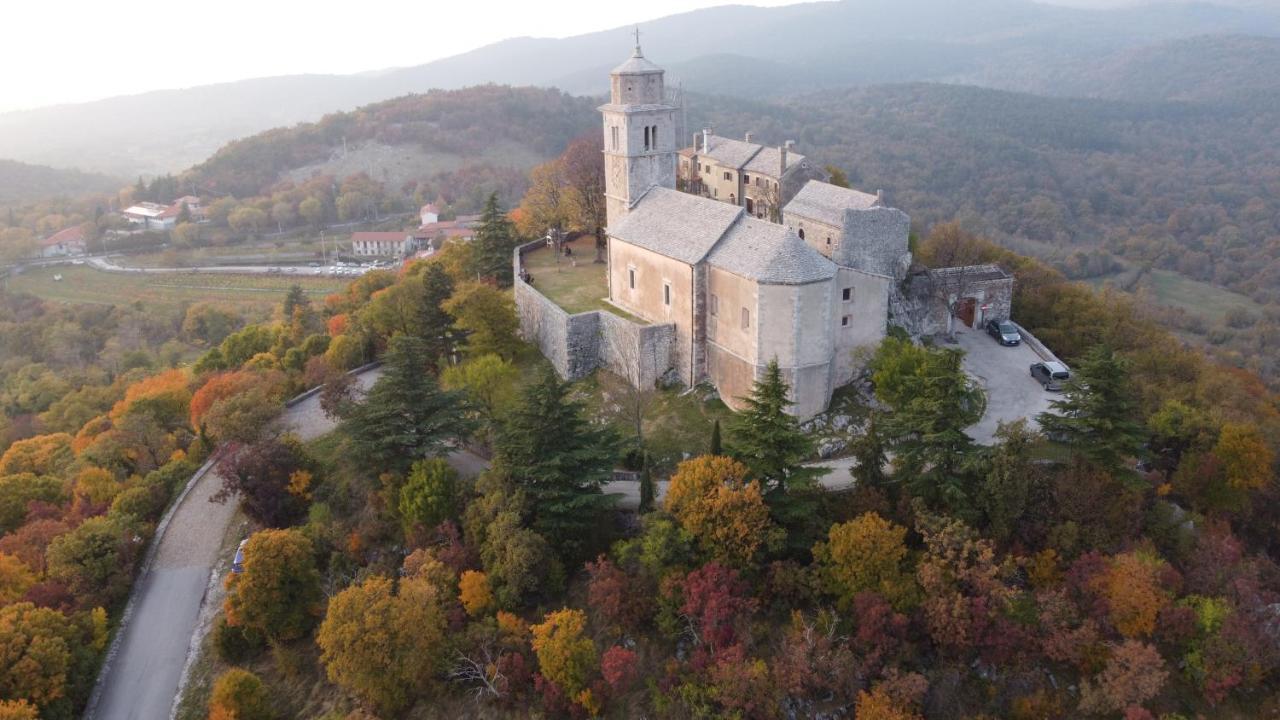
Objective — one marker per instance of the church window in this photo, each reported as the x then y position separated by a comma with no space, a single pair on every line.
646,137
848,294
715,305
666,293
844,321
631,277
614,137
800,232
746,318
828,239
653,135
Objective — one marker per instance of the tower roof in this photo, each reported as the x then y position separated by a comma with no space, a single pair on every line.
637,64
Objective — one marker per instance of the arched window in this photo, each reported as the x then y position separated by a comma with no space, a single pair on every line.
646,137
800,232
733,200
653,135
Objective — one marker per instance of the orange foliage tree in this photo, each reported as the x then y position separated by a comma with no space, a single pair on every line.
712,499
1131,586
39,455
474,592
165,398
1247,459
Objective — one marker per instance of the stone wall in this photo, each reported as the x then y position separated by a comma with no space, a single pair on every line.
576,345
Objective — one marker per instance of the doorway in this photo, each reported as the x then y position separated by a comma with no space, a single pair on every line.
967,310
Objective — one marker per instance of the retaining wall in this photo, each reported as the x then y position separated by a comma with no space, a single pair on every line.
576,345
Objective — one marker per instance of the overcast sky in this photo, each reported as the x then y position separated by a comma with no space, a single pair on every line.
56,51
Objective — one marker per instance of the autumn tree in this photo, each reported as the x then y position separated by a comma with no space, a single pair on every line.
39,455
715,603
259,475
582,165
1248,461
405,417
713,500
545,204
46,658
489,383
15,579
1131,585
561,461
1007,491
95,560
382,643
566,654
867,553
19,490
487,316
1134,674
18,710
1097,414
617,600
239,695
278,593
474,592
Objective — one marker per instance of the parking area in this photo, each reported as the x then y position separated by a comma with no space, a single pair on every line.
1004,374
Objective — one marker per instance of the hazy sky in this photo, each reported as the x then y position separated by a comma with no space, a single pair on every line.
57,51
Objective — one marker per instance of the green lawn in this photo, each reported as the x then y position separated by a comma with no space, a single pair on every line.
576,284
1199,299
253,295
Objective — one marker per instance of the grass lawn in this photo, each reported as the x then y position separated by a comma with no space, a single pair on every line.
252,295
1199,299
576,289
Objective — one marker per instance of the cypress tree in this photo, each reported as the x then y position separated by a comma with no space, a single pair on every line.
716,448
1097,415
405,417
561,461
495,240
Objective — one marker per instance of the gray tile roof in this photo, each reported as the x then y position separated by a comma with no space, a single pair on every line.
637,64
969,273
675,224
730,153
826,203
770,254
766,161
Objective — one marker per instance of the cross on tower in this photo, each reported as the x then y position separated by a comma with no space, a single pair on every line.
637,40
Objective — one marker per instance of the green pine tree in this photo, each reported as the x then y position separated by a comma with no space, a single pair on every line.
293,300
869,456
1097,415
435,325
646,486
935,403
716,447
495,240
405,417
768,440
561,461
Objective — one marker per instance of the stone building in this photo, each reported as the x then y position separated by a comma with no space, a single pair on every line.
740,172
720,289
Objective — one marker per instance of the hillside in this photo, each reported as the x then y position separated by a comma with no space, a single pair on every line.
1015,44
20,182
413,137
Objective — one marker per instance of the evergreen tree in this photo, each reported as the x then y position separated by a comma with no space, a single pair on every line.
293,300
716,447
646,486
768,440
184,214
406,416
435,324
561,461
869,456
495,240
140,191
932,402
1097,415
1011,477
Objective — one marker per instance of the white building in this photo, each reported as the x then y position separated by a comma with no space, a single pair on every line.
382,244
153,216
64,242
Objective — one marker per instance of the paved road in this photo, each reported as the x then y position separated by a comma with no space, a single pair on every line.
141,680
108,265
1005,374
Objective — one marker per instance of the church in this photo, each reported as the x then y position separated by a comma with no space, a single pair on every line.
735,255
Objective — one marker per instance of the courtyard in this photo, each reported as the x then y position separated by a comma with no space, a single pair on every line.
1005,377
575,282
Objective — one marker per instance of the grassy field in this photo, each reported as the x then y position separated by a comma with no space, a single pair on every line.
576,289
1200,299
253,295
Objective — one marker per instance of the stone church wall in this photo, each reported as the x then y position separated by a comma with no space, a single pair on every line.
576,345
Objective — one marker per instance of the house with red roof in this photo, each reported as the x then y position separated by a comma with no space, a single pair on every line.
70,241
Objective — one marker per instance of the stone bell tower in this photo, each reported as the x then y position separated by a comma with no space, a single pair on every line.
639,134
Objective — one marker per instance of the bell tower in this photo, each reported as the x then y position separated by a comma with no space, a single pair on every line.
639,134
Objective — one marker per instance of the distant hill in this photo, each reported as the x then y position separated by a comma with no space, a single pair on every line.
20,182
735,50
404,139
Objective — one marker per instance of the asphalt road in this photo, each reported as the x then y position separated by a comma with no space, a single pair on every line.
140,681
108,265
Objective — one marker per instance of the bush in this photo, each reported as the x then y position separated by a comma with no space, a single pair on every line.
236,644
240,695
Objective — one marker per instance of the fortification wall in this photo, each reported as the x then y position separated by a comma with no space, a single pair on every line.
576,345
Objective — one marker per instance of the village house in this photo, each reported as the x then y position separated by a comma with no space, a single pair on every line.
383,244
758,260
153,216
70,241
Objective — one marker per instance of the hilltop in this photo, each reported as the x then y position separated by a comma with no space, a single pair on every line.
21,182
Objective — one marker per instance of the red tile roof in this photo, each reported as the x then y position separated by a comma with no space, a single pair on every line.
74,234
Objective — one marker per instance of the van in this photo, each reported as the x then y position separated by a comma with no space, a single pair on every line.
1051,375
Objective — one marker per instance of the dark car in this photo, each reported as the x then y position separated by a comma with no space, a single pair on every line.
1051,375
1005,332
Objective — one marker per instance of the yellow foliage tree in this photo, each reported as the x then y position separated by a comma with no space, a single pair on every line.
1131,585
96,485
383,646
474,592
39,455
712,499
566,655
18,710
866,553
15,578
1246,458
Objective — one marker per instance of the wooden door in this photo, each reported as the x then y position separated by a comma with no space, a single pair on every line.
967,310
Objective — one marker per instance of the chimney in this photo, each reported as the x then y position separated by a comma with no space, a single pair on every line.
880,197
706,139
748,137
782,159
697,142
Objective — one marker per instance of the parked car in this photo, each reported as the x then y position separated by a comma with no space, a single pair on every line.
237,563
1005,332
1051,375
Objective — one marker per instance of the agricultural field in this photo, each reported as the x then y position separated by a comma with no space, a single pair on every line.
253,295
1199,299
